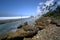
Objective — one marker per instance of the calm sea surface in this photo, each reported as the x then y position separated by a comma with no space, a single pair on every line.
12,26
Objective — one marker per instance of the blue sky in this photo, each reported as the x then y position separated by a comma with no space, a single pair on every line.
19,7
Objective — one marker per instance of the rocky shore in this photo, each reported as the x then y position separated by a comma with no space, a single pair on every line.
45,28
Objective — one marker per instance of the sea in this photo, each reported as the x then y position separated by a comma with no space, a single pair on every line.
12,26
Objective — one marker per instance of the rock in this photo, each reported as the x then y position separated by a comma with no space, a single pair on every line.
16,38
54,21
26,23
58,23
22,32
27,39
50,33
19,26
43,21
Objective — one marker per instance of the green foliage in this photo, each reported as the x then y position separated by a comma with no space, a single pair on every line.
55,13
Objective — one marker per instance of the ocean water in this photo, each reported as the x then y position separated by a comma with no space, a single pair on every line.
12,26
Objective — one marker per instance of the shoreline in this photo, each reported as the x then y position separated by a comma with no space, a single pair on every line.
35,32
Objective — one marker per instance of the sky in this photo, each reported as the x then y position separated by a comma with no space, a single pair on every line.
22,7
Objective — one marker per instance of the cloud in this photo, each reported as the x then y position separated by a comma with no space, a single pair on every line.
38,9
49,3
41,3
58,3
41,8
